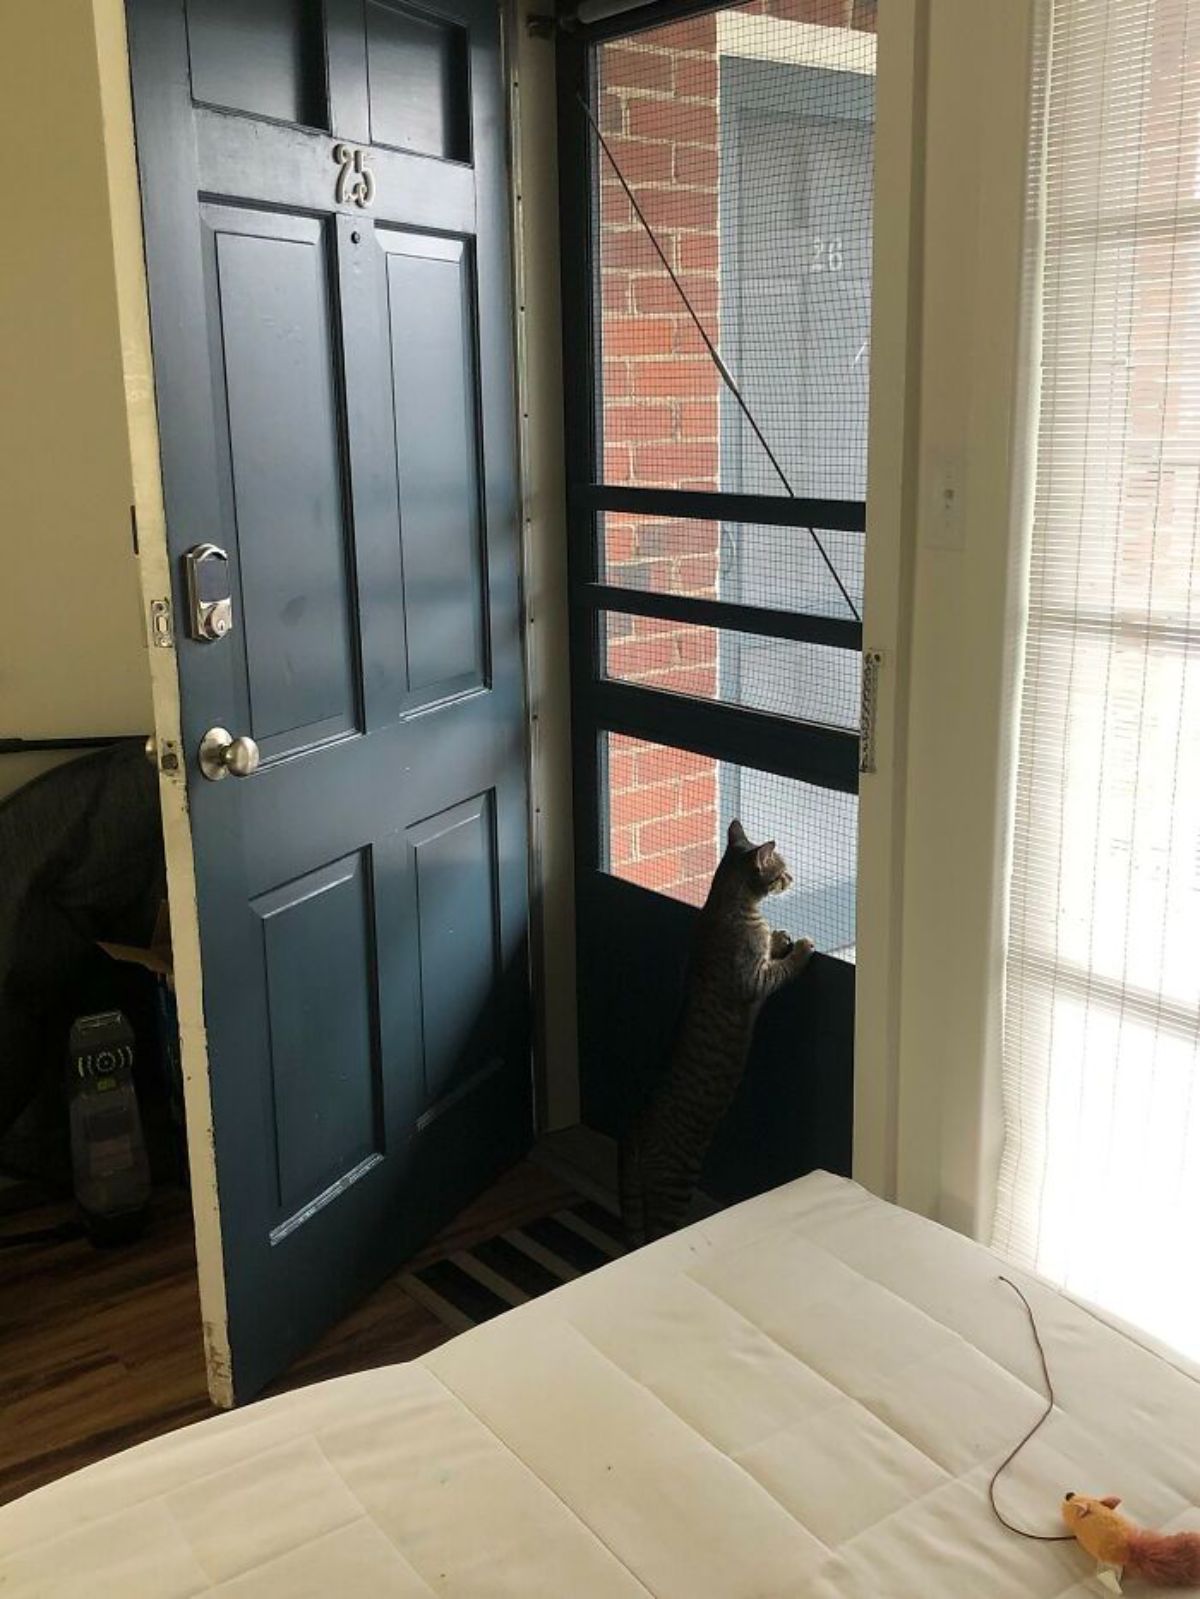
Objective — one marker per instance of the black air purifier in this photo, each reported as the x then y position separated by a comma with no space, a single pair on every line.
108,1151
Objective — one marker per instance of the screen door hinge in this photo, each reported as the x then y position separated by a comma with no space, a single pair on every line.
872,661
162,633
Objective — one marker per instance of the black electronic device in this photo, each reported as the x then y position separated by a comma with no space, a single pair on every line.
108,1150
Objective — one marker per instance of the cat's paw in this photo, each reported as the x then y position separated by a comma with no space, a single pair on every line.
781,945
802,952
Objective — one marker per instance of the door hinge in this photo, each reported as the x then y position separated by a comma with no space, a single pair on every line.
872,661
162,633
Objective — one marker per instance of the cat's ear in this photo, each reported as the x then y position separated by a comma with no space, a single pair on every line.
763,854
737,833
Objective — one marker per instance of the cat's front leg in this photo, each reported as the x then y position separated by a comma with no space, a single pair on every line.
781,945
773,974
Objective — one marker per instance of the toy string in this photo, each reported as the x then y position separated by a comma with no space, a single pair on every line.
1041,1537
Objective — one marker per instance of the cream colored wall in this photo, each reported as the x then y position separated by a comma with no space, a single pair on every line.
72,657
944,599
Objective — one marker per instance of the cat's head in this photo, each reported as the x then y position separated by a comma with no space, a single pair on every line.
761,866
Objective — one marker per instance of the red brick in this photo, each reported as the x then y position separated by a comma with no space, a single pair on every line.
645,804
632,658
663,463
673,121
612,113
638,161
636,69
694,164
619,545
616,292
674,832
659,873
698,793
664,209
699,860
629,250
698,419
638,335
696,572
696,77
662,538
697,252
622,767
696,647
621,844
615,210
655,293
616,380
617,463
651,764
700,682
652,626
825,13
674,379
698,33
652,420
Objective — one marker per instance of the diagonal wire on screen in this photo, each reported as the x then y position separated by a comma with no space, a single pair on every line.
714,354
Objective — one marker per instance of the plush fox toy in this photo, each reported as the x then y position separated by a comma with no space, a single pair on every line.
1168,1559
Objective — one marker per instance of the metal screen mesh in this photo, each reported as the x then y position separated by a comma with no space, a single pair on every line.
666,813
744,139
778,568
808,682
734,157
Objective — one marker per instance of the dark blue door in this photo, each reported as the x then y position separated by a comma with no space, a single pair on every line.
325,215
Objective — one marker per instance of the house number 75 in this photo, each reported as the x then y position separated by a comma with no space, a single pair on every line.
356,181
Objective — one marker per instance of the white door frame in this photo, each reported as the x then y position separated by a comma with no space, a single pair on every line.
952,361
154,568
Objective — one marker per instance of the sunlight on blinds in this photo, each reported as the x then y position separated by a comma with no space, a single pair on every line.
1100,1186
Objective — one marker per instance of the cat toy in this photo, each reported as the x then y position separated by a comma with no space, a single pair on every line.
1119,1547
1166,1559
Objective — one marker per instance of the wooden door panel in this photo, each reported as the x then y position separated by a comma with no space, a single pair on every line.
321,976
279,401
263,57
458,934
431,324
418,81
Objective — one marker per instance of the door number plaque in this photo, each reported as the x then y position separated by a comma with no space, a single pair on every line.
356,181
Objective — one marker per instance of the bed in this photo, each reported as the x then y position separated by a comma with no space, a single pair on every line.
800,1398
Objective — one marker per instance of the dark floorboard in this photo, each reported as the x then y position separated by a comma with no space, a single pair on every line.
102,1349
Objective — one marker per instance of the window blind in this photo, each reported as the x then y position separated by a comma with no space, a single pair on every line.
1100,1182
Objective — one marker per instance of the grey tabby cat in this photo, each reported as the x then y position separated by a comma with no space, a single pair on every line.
737,963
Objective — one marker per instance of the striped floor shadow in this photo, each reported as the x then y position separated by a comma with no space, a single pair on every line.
473,1285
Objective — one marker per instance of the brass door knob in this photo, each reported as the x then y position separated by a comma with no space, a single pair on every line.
222,755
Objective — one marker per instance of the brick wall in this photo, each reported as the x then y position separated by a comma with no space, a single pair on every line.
660,115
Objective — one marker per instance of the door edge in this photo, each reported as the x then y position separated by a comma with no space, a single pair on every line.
154,569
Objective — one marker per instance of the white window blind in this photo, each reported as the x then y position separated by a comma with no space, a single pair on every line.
1100,1185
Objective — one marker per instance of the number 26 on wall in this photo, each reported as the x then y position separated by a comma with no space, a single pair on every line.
824,255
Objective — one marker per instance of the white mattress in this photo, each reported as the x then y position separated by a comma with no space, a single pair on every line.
800,1397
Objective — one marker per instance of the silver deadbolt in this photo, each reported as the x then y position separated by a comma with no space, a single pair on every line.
210,606
222,755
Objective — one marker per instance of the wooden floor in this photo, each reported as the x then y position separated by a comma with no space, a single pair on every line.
101,1349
